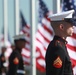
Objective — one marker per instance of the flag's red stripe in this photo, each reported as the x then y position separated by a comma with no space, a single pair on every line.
28,27
27,42
27,49
44,36
40,42
73,48
47,29
41,56
25,56
73,62
26,63
40,67
48,18
25,32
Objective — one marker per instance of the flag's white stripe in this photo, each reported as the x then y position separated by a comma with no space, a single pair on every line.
39,45
28,46
37,53
27,38
27,26
44,30
75,30
42,39
44,42
41,62
45,33
26,30
41,29
28,43
71,41
74,70
47,23
26,59
8,52
26,52
72,53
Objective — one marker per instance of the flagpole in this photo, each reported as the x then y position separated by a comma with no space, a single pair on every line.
5,17
56,6
33,24
17,16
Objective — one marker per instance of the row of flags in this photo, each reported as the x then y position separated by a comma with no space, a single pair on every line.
45,34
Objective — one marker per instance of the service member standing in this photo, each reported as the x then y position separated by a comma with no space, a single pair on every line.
57,58
16,65
3,61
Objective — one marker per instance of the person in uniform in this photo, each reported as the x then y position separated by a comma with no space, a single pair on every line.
2,61
16,65
57,58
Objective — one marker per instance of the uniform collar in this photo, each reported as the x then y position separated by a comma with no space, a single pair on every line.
17,49
60,39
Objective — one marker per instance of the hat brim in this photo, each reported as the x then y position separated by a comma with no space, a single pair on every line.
20,39
70,20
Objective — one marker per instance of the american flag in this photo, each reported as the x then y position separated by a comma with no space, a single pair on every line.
71,46
43,36
25,29
7,43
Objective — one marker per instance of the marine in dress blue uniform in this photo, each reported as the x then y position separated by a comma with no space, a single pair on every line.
57,58
2,60
16,65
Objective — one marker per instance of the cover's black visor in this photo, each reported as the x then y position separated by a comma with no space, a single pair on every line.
20,39
71,20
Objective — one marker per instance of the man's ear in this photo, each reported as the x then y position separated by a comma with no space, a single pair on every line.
61,26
